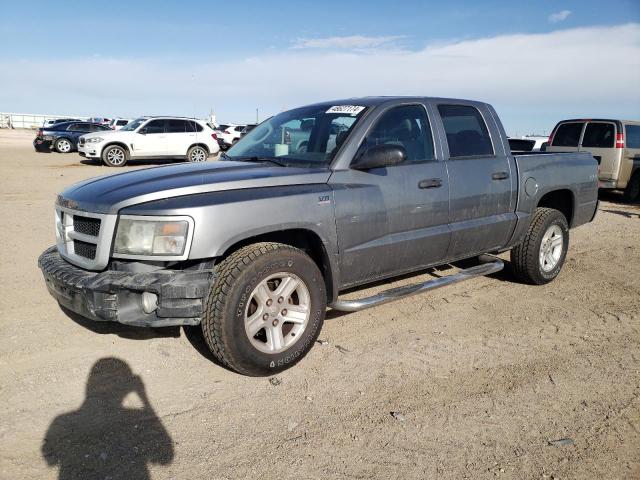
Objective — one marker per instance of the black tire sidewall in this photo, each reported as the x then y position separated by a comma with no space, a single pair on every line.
246,356
557,219
632,191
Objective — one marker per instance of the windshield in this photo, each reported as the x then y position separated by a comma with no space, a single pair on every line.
133,125
307,136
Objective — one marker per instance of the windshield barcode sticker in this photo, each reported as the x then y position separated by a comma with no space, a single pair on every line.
348,109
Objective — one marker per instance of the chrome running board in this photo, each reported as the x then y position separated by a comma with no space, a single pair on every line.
489,264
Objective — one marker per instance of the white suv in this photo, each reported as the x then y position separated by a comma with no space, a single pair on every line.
151,137
231,134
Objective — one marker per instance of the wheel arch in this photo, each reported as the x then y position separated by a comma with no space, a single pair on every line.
562,200
198,144
118,143
306,240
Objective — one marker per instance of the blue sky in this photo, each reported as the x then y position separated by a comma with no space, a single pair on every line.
131,58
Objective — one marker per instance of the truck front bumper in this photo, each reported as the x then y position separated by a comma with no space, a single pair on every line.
155,299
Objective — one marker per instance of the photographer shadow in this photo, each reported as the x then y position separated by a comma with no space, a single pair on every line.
104,438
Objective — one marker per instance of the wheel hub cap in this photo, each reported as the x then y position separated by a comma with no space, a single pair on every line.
270,327
551,248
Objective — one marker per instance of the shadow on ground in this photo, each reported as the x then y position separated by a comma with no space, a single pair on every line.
104,438
124,331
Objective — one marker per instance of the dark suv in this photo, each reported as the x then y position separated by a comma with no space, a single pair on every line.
63,137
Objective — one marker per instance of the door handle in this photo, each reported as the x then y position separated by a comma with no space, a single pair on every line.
499,176
430,183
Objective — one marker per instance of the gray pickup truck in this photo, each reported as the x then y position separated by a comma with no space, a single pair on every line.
311,202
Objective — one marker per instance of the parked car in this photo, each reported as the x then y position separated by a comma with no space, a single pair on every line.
247,129
100,120
255,246
151,137
615,144
51,123
118,123
528,144
229,135
63,137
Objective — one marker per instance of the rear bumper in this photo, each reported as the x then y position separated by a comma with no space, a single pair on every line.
41,144
117,296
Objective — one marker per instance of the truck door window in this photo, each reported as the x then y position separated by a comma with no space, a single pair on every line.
406,126
599,135
467,133
567,135
632,136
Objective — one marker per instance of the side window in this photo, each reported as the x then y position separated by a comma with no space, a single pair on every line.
466,131
567,135
632,136
176,126
599,135
121,123
405,126
192,126
78,127
154,126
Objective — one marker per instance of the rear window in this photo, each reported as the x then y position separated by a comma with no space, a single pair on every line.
78,127
632,136
599,135
467,134
567,135
521,145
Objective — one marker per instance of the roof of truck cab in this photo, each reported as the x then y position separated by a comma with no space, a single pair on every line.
374,101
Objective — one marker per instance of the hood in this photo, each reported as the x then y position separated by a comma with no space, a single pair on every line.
109,194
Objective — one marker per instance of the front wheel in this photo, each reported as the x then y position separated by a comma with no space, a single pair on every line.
114,156
265,308
540,256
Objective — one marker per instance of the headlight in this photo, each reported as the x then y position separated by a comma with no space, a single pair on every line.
149,237
94,140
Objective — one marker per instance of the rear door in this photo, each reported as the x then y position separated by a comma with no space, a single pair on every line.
180,136
482,180
599,139
393,219
631,153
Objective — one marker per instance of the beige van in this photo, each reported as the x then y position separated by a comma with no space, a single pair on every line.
615,144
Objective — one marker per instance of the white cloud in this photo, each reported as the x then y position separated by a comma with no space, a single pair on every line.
532,79
352,42
559,16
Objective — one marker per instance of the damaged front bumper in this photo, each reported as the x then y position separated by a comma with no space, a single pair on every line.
177,296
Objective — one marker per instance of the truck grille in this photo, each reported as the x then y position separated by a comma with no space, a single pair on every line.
86,225
84,238
85,249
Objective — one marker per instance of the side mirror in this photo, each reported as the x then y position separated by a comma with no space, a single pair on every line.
142,131
378,156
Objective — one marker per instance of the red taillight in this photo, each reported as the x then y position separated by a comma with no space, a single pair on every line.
620,140
214,136
550,138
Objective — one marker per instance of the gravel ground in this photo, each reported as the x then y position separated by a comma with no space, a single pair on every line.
479,380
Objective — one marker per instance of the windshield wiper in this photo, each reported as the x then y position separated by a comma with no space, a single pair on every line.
259,159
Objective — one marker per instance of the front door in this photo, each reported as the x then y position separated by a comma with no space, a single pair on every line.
393,219
481,180
150,140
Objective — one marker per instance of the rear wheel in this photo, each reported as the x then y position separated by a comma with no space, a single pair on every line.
63,145
265,308
540,256
632,192
114,156
197,153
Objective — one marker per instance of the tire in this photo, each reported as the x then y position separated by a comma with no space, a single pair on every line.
197,153
632,192
547,232
238,305
115,156
63,145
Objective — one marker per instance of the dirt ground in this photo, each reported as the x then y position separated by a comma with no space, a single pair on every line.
481,377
